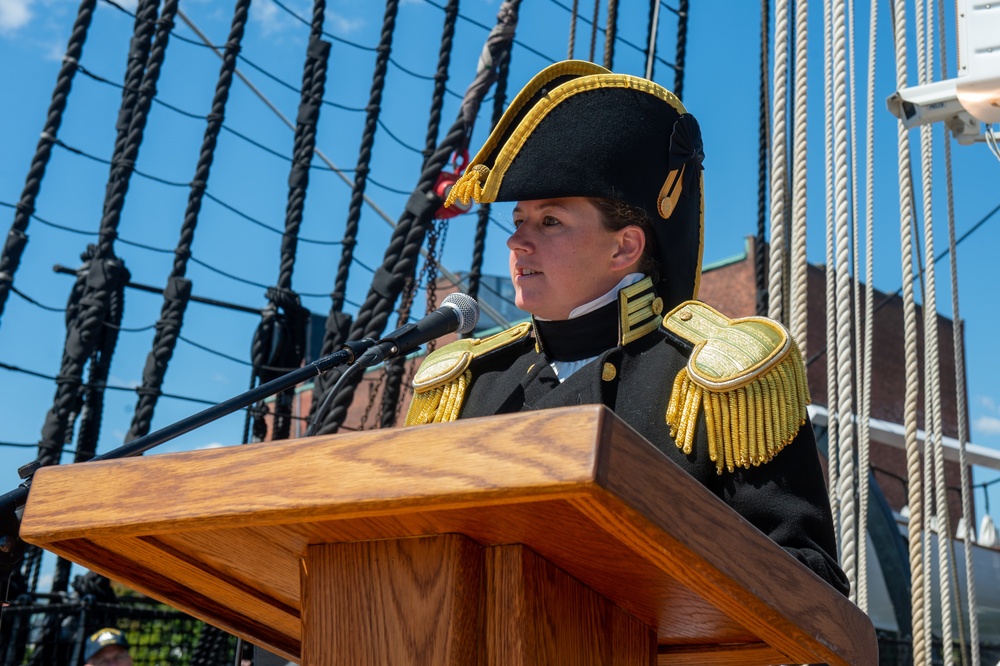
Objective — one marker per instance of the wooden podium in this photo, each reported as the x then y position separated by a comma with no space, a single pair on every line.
552,537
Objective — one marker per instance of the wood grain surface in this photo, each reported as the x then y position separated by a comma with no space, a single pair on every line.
575,485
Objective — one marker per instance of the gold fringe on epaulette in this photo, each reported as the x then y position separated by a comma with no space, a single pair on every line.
469,187
440,404
747,425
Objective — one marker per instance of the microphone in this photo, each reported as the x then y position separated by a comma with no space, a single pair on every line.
458,313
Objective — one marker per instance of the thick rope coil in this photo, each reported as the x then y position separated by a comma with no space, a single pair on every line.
914,483
178,289
404,246
10,258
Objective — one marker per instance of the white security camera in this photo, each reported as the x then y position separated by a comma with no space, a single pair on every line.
973,97
932,103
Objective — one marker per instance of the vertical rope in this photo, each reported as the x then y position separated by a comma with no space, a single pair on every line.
845,386
399,261
611,32
17,238
864,411
572,29
798,284
90,298
958,343
395,368
863,476
914,483
654,26
763,141
830,282
932,364
338,324
479,243
682,33
779,166
593,31
178,289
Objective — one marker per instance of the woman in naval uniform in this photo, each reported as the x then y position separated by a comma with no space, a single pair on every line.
606,257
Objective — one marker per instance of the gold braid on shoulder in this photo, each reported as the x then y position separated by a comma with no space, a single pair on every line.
443,378
748,377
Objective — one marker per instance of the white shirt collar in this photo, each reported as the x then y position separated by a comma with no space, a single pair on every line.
601,301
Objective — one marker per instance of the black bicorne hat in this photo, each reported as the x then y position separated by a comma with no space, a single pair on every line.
578,130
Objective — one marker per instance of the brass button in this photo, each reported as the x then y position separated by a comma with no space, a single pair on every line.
685,315
657,305
609,372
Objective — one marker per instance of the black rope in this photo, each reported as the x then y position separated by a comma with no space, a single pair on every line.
395,369
682,33
178,289
593,30
337,322
89,301
17,238
571,46
610,29
280,338
400,259
611,34
763,141
482,224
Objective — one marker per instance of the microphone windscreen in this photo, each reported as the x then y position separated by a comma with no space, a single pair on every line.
467,308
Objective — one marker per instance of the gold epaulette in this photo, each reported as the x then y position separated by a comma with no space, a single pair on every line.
748,376
441,382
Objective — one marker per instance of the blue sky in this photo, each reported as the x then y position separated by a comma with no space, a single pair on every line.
720,89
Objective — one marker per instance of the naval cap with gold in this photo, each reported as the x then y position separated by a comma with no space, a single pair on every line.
579,130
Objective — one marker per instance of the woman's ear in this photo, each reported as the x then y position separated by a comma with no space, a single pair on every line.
631,243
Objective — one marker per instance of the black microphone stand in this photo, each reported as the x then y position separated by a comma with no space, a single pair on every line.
13,501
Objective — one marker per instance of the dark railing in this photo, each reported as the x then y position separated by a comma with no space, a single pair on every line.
51,632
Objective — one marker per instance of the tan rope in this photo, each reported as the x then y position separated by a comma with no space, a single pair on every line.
779,166
833,452
798,283
914,482
932,362
845,384
861,595
958,342
865,407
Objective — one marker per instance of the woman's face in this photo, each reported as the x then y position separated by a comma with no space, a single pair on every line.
562,256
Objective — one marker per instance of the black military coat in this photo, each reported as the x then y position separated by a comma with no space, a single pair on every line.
785,498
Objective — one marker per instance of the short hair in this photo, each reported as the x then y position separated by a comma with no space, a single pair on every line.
616,215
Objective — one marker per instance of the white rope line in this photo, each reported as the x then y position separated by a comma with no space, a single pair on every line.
861,597
932,362
958,342
865,407
833,450
845,385
915,490
779,167
799,275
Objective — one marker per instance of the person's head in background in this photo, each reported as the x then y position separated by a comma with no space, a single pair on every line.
106,647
